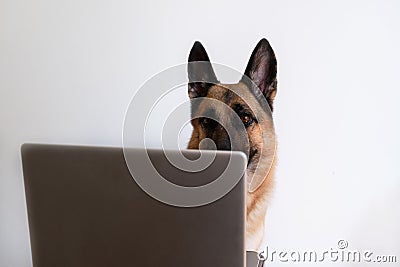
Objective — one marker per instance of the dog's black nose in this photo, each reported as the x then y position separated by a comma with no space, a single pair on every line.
223,143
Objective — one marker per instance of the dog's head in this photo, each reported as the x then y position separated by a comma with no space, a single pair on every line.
258,83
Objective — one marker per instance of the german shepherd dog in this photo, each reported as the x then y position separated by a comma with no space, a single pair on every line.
261,70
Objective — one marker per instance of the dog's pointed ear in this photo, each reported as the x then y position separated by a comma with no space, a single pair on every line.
261,69
200,71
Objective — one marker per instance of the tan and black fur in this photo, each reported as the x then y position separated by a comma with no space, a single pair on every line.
262,70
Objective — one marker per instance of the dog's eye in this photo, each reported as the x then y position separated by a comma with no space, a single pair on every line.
246,119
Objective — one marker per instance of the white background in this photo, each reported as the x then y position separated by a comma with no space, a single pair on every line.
69,68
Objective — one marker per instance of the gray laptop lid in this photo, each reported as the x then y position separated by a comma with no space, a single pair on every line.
84,209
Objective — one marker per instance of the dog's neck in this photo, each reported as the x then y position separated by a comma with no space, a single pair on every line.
256,208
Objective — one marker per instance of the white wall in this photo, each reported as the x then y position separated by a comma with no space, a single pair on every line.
68,70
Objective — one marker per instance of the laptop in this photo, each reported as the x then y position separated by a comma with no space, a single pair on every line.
86,209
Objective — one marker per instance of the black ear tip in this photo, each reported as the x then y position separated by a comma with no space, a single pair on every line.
197,44
263,43
198,52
